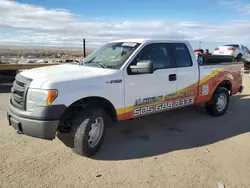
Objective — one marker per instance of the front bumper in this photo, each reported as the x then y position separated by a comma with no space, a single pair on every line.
41,123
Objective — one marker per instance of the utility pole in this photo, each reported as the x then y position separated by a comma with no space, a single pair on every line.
84,48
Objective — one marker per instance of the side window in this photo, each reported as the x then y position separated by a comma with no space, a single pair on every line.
182,55
158,53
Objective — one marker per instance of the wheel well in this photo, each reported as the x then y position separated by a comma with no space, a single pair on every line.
105,104
77,106
226,84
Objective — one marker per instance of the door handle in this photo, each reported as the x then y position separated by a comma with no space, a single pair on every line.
172,77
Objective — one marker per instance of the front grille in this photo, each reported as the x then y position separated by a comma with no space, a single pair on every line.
19,91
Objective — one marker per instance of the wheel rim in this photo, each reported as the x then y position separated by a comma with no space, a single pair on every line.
95,132
221,102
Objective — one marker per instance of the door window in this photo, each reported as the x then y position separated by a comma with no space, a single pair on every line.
158,53
182,55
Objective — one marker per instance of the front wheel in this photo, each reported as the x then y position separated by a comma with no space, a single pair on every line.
219,103
89,132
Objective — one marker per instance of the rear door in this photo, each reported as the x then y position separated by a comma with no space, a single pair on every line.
143,91
187,73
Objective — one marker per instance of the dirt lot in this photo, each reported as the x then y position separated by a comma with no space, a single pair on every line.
182,148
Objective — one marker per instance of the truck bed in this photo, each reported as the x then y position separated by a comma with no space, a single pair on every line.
216,59
215,69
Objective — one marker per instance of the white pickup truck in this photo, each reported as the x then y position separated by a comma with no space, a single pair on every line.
122,80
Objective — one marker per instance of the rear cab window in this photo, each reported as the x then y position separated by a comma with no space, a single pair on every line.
233,45
182,55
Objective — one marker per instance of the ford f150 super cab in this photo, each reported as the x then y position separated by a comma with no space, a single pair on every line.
121,80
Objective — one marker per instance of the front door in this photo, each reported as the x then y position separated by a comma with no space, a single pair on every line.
144,91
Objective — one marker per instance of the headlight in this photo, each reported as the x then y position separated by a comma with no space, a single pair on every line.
39,97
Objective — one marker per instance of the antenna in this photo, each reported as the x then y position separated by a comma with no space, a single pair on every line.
64,39
199,44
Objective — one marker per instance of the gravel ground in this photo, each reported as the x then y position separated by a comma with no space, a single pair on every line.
181,148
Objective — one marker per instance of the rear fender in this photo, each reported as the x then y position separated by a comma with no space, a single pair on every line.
225,77
212,84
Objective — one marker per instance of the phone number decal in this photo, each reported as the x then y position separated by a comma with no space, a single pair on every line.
144,110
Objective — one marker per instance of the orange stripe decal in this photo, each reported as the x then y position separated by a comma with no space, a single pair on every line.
210,81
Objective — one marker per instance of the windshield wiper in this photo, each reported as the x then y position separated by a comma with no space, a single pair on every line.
89,61
93,62
98,64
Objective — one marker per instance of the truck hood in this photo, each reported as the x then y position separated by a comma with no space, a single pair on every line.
65,72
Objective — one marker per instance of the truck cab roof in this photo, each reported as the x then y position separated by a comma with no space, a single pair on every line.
149,40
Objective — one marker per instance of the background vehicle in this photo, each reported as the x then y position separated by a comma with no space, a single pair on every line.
239,51
122,80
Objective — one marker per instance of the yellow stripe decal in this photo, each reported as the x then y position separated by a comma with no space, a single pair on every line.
203,80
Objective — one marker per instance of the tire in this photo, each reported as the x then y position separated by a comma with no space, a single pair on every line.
81,129
246,65
213,107
239,57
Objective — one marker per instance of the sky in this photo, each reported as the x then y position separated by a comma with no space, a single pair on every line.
63,22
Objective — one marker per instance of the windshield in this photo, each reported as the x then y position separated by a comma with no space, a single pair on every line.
111,55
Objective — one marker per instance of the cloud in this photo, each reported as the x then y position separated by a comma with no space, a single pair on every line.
239,5
29,24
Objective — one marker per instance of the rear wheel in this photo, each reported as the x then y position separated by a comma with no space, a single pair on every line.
247,66
219,102
89,131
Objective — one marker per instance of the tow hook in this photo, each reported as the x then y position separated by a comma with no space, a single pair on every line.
19,132
241,89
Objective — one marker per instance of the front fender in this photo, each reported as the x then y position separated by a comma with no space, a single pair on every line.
114,94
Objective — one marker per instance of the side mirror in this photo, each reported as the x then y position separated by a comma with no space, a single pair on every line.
143,67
